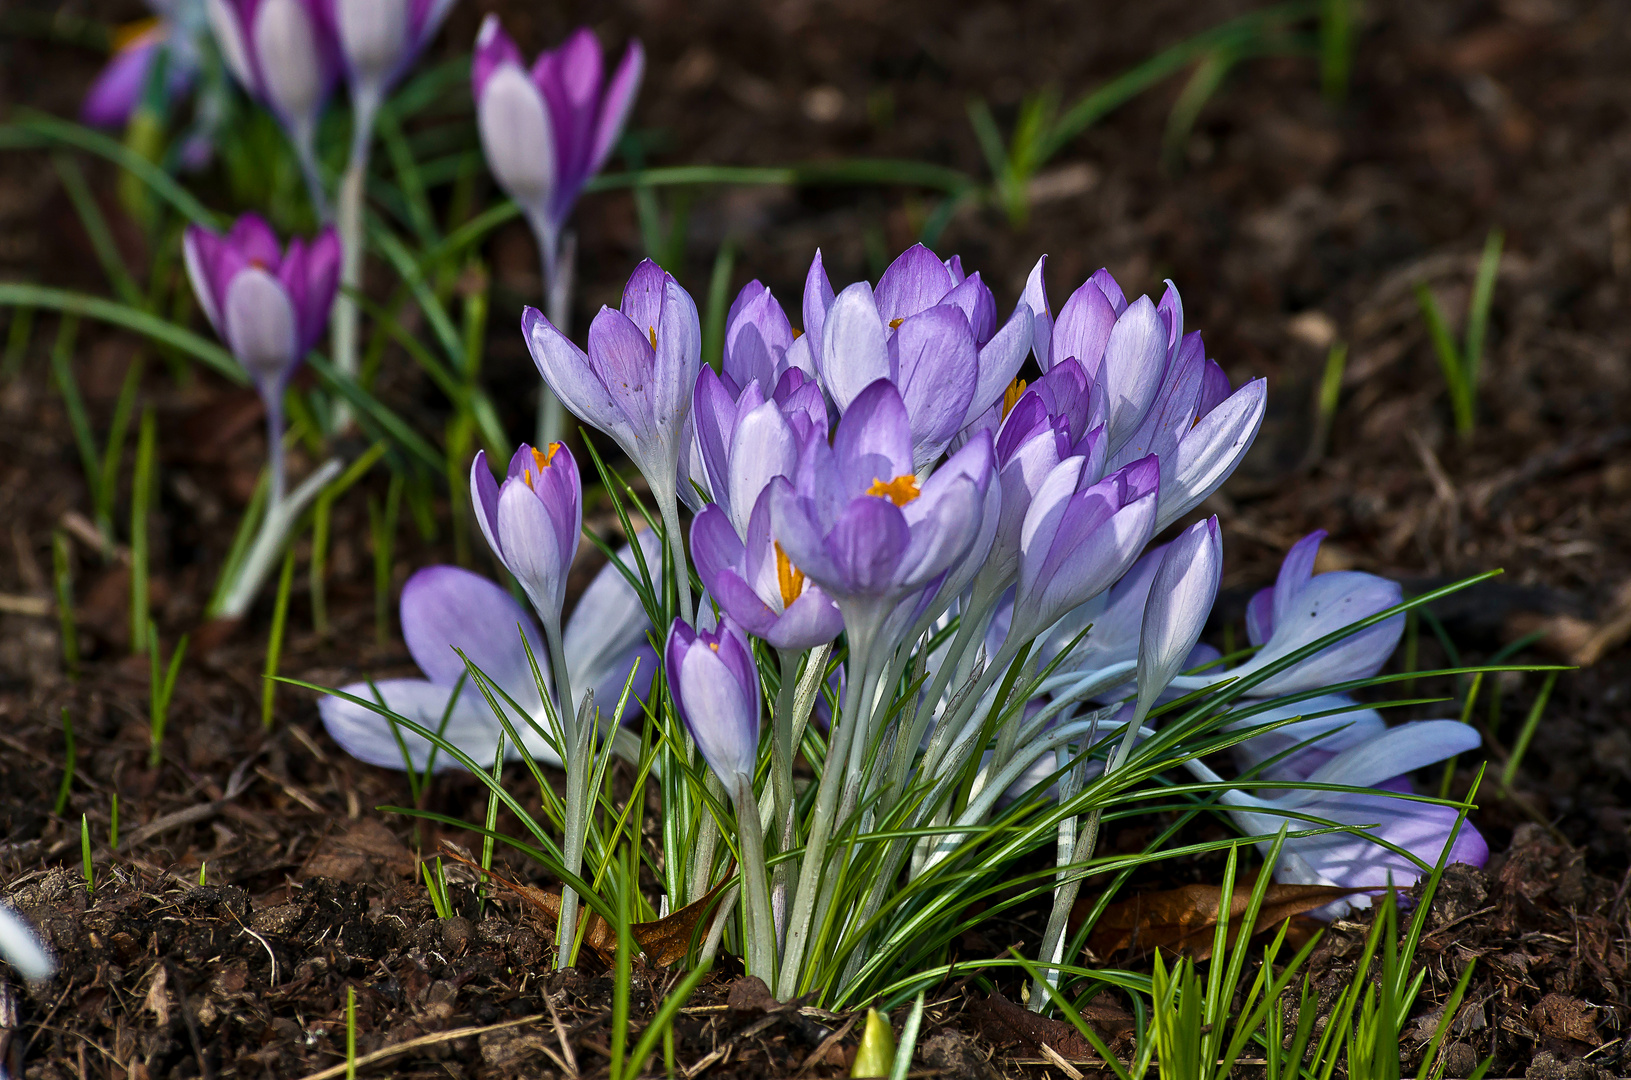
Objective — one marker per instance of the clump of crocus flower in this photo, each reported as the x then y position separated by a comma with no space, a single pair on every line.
269,305
979,545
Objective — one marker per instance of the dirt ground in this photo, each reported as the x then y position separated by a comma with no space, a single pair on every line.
254,880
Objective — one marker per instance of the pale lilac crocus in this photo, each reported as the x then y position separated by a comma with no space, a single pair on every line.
118,89
267,304
857,521
446,608
1351,859
757,585
1181,595
532,520
286,55
742,441
758,341
635,382
1079,537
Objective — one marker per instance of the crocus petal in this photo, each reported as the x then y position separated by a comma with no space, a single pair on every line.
1351,860
1296,570
914,282
1348,724
1208,454
260,326
516,136
494,49
118,89
289,51
374,35
566,369
532,548
1325,605
1134,362
1395,752
873,440
1181,597
1035,298
608,621
229,38
1083,329
469,725
763,448
616,104
21,947
933,353
1000,361
854,350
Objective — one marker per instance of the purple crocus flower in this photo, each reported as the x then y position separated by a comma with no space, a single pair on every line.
285,54
715,684
635,382
380,39
1350,859
927,329
1303,607
1328,724
1163,396
757,585
858,522
1181,595
758,341
445,608
1079,537
548,130
269,306
533,520
117,91
742,442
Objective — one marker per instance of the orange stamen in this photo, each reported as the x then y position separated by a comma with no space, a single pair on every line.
894,324
797,334
900,491
788,577
1011,396
652,330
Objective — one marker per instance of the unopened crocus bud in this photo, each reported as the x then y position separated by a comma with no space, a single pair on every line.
547,130
380,39
1181,596
533,520
715,685
269,305
284,53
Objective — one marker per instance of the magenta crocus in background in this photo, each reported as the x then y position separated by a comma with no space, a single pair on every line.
268,305
547,130
286,55
113,97
380,39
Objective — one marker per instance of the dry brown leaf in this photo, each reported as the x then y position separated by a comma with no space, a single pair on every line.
664,941
1185,920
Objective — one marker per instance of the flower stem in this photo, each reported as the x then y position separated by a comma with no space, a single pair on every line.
558,259
668,506
751,841
353,187
303,134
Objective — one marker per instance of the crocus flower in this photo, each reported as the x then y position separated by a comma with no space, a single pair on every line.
923,331
858,522
445,608
743,442
269,306
1350,859
1181,596
715,683
380,39
758,338
1329,724
533,520
20,947
757,585
635,382
286,55
548,130
1079,537
1303,607
118,90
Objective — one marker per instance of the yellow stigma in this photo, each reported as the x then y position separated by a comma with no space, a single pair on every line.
1011,396
131,33
714,645
545,456
652,330
894,324
797,334
789,577
900,491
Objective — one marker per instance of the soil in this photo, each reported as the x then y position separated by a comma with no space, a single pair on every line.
255,881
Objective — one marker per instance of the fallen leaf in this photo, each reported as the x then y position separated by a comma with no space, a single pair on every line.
664,941
1002,1021
367,851
1185,920
1569,1018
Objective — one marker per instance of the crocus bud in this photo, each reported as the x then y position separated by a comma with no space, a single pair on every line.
380,39
548,130
1186,584
533,520
715,685
283,52
270,307
1079,538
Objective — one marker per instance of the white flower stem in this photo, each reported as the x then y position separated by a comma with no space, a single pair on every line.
751,842
303,134
668,506
353,189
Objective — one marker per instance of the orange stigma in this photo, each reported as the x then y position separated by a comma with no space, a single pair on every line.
797,334
652,330
894,324
900,491
789,577
1011,396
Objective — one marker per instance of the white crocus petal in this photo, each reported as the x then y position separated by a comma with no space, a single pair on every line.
20,947
229,39
1134,362
1396,752
200,279
854,348
259,323
764,448
516,134
286,43
374,35
1180,599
